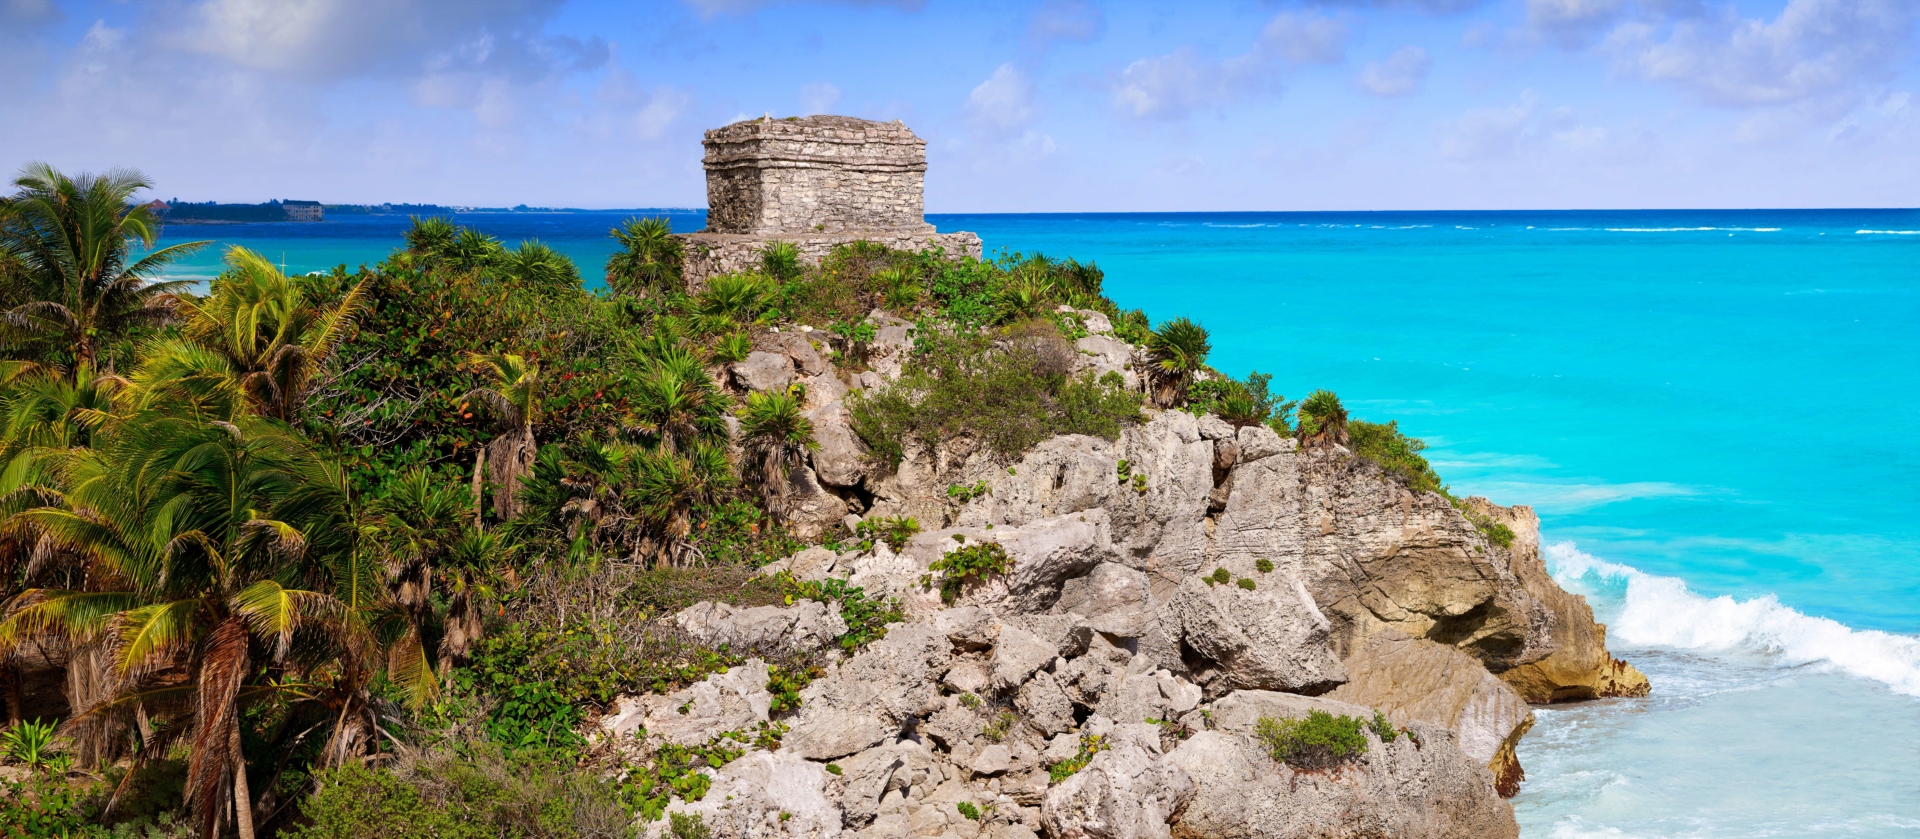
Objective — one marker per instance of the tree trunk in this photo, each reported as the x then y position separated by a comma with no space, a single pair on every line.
510,456
242,799
479,485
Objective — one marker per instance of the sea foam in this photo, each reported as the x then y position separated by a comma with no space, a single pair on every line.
1662,612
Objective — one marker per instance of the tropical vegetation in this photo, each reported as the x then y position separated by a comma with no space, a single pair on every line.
357,552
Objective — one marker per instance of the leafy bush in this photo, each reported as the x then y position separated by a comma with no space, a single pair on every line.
967,565
1008,396
684,826
1395,453
1240,403
673,773
965,492
1090,745
1263,565
1245,583
1320,740
459,791
866,617
893,530
967,810
1000,726
1383,727
1221,576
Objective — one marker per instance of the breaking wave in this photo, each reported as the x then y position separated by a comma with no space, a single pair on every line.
1661,612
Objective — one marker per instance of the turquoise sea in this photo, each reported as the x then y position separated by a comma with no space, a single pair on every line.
1715,413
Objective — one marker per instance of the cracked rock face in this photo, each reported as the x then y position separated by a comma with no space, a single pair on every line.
1345,593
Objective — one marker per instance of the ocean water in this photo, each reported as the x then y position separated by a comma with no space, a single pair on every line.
1714,412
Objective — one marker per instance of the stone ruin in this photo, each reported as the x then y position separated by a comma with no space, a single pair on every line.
817,182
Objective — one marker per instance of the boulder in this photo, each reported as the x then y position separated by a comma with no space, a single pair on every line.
1418,787
810,509
1113,598
1017,653
763,794
736,700
1103,354
871,698
1125,792
892,344
841,459
800,347
763,371
807,624
1045,705
1415,680
868,777
1267,639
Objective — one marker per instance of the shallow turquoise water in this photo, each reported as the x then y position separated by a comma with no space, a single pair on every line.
1714,413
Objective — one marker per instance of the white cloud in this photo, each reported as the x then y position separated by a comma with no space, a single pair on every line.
1399,75
818,98
1814,49
1305,39
1003,104
1171,86
711,8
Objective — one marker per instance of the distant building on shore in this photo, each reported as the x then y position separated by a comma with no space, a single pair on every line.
817,182
303,210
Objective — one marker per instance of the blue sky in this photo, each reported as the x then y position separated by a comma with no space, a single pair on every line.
1053,105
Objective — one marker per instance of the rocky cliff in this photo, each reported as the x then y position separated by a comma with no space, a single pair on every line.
1141,635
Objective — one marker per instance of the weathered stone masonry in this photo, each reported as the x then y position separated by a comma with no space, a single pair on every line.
817,182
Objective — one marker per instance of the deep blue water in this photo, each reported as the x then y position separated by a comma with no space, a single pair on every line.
1713,411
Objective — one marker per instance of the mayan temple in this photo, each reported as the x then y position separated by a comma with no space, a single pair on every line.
817,182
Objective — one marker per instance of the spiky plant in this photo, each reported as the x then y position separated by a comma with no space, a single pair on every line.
781,261
733,347
1323,419
536,265
430,236
666,487
733,297
69,245
1175,352
472,252
675,401
776,436
649,259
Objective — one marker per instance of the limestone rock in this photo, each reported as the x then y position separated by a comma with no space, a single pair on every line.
799,347
763,371
871,697
1580,666
992,760
1125,792
1263,639
734,700
868,777
1045,705
1102,354
1419,787
1412,679
1113,598
892,343
841,459
810,509
764,794
1017,653
807,624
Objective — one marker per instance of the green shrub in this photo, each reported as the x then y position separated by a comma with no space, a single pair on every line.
834,769
1322,416
734,347
785,685
459,791
1009,396
1383,727
1394,452
1245,583
1000,726
683,826
967,565
674,773
1319,740
1222,576
968,811
1263,565
866,617
964,492
1240,403
29,742
1090,745
893,530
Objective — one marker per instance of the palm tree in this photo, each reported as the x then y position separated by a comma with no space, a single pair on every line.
227,574
430,236
775,436
664,489
649,259
426,535
70,240
515,399
1323,419
781,261
536,265
675,400
1175,352
255,335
